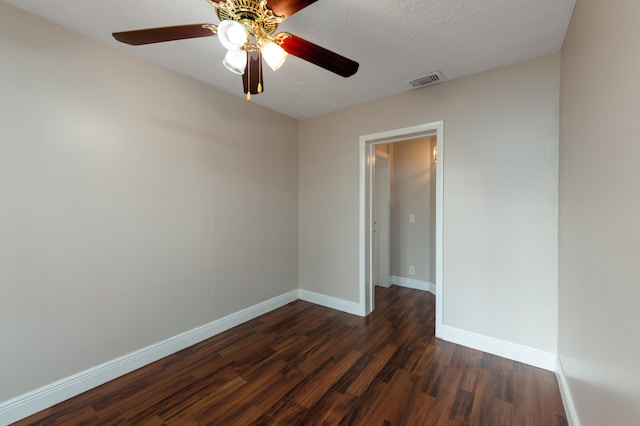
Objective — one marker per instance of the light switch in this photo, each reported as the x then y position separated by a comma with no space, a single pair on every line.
412,218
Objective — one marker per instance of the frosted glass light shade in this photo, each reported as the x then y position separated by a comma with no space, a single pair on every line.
232,34
236,61
273,54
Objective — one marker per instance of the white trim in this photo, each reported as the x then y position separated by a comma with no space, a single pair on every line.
565,393
415,284
331,302
367,143
387,285
513,351
362,228
37,400
439,229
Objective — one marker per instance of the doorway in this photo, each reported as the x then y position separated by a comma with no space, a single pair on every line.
368,228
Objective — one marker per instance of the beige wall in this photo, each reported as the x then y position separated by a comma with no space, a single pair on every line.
599,251
135,204
413,192
500,192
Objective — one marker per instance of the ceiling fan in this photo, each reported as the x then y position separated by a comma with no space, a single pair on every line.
246,30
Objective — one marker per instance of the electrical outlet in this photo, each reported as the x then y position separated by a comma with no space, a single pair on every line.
412,270
412,218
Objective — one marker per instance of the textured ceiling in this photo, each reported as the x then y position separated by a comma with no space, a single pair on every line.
392,40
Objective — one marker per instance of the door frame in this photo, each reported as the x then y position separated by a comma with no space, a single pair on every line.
366,164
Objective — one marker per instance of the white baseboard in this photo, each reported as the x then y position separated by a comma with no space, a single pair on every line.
331,302
37,400
565,392
415,284
513,351
387,285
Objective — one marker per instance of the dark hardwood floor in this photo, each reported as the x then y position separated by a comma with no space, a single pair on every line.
308,365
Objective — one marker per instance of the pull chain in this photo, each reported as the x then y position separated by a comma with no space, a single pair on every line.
259,72
248,77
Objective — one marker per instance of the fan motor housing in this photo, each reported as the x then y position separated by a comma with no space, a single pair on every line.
256,12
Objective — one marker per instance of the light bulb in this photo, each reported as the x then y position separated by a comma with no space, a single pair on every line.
232,34
273,54
236,61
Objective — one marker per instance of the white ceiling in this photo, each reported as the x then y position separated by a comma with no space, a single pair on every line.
392,40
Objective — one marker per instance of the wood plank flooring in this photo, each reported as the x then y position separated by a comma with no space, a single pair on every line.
308,365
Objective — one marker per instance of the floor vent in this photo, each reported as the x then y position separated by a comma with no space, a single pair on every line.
425,80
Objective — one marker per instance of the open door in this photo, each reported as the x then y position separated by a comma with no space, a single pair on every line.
381,220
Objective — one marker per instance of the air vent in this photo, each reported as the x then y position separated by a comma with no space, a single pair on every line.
425,80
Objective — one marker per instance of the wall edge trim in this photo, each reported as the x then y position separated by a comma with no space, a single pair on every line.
414,284
565,392
512,351
347,306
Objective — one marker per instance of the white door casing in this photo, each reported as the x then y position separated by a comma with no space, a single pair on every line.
366,161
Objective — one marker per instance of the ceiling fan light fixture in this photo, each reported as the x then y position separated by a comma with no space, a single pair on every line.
273,54
232,34
236,61
247,30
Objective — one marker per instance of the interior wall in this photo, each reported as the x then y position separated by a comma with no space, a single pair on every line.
136,204
412,243
500,197
598,344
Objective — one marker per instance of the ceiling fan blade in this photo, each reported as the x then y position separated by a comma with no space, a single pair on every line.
252,80
158,35
317,55
287,8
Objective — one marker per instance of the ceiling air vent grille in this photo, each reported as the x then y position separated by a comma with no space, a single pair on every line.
425,80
